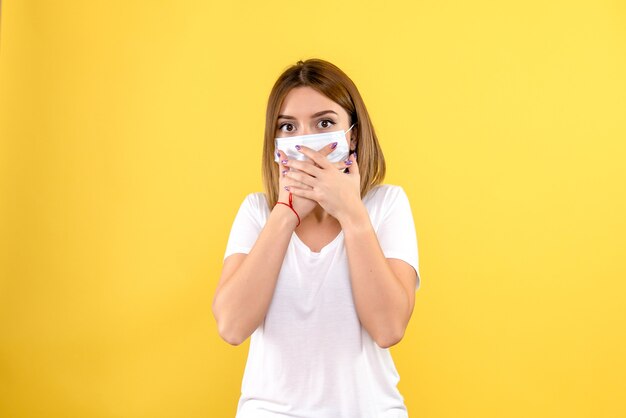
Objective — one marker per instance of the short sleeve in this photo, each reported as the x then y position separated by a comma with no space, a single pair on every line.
396,232
247,225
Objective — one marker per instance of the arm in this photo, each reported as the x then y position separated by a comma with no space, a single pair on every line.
383,289
246,286
247,283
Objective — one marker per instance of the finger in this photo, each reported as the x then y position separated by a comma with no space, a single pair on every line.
282,168
318,158
289,185
282,158
302,178
353,166
341,165
311,169
283,163
286,180
279,155
327,149
283,193
308,194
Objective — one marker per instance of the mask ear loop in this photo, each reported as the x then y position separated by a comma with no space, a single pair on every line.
351,152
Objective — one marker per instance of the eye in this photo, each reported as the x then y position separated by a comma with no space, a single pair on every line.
291,127
326,123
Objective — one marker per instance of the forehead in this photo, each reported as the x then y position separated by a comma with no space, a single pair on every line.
304,101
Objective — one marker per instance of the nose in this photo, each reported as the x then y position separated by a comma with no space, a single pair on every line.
305,129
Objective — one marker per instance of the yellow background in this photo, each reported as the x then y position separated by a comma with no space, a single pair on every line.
132,130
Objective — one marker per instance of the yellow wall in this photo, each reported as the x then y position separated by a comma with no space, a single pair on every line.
131,131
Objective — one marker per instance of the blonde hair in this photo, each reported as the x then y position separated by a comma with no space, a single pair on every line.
329,80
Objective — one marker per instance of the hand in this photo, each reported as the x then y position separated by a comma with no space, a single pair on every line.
338,193
301,205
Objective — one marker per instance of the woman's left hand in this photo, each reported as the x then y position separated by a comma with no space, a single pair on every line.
338,193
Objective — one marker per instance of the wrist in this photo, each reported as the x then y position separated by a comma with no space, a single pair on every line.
355,218
284,216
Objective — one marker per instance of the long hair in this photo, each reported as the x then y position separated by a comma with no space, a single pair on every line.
329,80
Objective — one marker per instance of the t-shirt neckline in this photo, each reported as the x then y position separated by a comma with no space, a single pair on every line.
323,250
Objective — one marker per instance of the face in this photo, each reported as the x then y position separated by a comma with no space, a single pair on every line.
306,111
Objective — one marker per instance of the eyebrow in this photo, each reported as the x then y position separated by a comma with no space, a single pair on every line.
323,112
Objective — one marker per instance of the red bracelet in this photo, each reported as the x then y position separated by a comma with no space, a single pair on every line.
290,206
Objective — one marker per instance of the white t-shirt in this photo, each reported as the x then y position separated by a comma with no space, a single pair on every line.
311,357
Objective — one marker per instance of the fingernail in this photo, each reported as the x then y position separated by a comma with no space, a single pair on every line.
298,147
287,188
333,145
284,161
284,171
355,155
348,162
278,154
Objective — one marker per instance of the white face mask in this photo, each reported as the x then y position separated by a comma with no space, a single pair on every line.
315,142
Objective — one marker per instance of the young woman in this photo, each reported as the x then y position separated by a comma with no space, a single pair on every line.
322,268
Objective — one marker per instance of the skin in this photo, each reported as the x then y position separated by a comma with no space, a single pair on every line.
327,201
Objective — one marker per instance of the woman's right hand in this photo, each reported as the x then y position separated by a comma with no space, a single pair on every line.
301,205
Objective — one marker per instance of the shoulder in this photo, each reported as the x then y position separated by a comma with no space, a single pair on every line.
256,205
256,200
383,200
384,194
